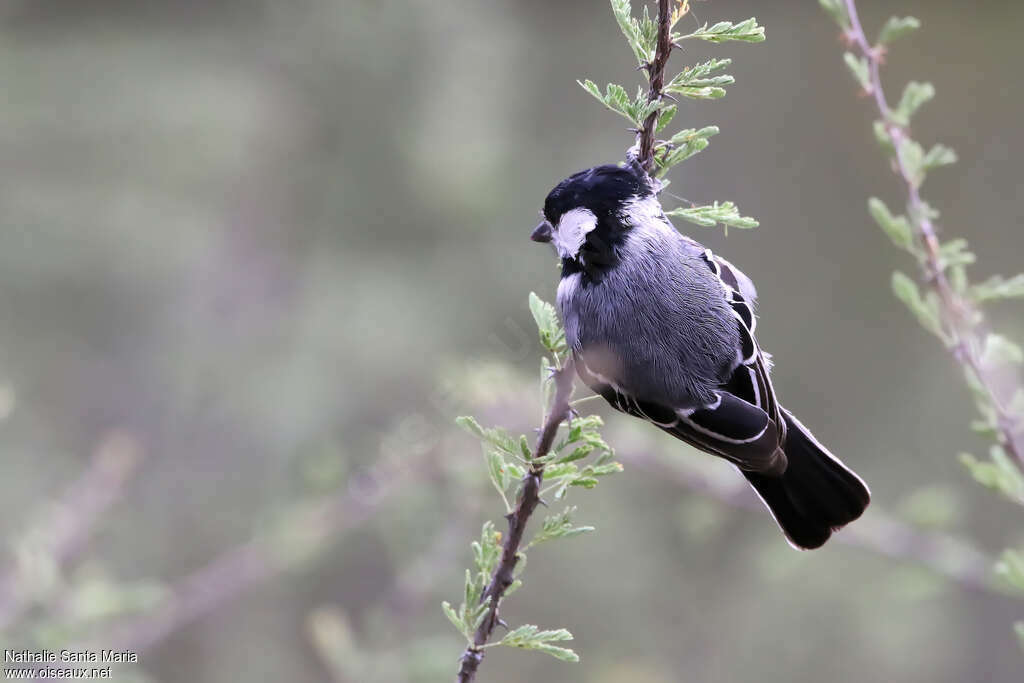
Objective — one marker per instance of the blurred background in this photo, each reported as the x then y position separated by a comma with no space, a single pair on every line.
255,257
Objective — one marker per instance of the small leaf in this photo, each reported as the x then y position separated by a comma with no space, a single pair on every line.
1010,569
469,423
896,227
524,447
630,29
998,288
998,473
746,31
859,68
497,471
912,157
926,312
559,526
697,82
453,617
837,9
937,156
725,213
897,27
883,137
578,453
552,336
528,637
665,117
563,653
914,96
681,147
955,253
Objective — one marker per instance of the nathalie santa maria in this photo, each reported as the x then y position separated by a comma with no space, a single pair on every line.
50,656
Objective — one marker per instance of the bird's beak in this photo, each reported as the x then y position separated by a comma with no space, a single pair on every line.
542,233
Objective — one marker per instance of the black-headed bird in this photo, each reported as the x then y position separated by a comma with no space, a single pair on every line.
664,330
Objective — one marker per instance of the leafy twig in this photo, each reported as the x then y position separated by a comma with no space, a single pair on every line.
958,316
656,71
529,498
951,308
63,533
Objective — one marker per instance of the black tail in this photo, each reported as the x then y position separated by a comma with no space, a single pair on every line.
816,494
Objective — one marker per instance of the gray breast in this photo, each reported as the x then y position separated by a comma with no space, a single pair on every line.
657,325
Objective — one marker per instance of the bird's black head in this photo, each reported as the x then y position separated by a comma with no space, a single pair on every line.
587,214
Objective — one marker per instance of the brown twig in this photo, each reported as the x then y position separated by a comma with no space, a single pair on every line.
943,554
529,498
959,315
656,72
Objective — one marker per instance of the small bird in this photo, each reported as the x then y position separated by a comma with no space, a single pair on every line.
663,330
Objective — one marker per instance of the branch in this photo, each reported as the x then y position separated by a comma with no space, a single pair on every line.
65,532
941,553
959,315
529,498
656,71
240,569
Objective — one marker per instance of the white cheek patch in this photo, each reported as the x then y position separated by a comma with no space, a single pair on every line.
572,231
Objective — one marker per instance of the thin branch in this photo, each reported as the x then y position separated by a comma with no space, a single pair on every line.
656,71
529,498
959,314
240,569
943,554
64,533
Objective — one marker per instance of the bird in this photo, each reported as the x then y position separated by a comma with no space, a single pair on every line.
663,330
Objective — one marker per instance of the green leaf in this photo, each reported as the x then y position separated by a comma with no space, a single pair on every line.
529,637
709,216
497,469
552,336
615,98
915,94
561,469
998,473
937,156
1010,569
897,27
453,617
524,447
897,228
955,253
746,31
697,82
559,526
926,311
578,453
859,68
469,423
883,137
837,9
681,147
665,117
912,156
630,29
998,288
